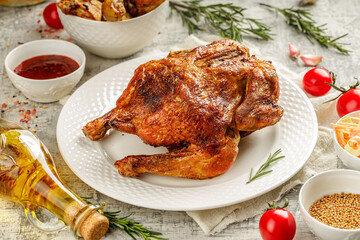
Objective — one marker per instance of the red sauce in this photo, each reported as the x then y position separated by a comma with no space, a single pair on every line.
46,67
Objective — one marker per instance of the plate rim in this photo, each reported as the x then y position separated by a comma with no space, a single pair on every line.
146,204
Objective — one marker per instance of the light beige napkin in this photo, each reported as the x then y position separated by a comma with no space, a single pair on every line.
323,157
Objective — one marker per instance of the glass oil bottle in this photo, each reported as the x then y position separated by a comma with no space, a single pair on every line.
28,176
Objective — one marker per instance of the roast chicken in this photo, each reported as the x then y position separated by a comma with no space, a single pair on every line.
197,103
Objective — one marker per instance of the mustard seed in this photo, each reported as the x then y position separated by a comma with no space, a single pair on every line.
338,210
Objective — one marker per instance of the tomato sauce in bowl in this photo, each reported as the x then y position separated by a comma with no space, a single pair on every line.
55,67
46,67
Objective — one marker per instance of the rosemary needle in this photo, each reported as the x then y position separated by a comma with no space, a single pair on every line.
133,229
302,21
272,158
227,19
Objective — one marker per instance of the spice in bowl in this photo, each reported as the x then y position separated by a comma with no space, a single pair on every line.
338,210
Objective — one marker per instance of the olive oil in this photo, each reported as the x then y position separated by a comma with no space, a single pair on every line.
28,176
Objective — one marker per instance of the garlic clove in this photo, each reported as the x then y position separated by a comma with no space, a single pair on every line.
294,52
311,60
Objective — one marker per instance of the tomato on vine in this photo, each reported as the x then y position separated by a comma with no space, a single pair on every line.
348,102
277,223
315,81
349,99
51,16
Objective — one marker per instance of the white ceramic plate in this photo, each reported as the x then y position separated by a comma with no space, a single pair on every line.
295,134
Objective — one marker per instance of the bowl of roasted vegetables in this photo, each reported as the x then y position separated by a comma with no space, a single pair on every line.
113,28
347,139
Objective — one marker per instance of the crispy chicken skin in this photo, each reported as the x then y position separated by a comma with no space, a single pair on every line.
196,103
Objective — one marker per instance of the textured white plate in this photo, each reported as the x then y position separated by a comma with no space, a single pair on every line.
295,134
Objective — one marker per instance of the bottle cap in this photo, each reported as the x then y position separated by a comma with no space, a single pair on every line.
94,226
86,221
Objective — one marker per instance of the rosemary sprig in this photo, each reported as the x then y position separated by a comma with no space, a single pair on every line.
272,158
227,19
132,228
303,22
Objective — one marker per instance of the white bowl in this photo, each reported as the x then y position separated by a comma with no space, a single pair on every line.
329,182
348,159
49,90
115,39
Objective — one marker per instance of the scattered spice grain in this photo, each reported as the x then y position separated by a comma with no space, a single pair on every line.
338,210
26,115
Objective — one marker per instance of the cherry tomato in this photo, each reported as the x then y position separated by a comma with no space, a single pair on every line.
348,102
51,16
277,224
314,81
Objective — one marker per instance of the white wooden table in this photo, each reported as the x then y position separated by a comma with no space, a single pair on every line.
19,25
